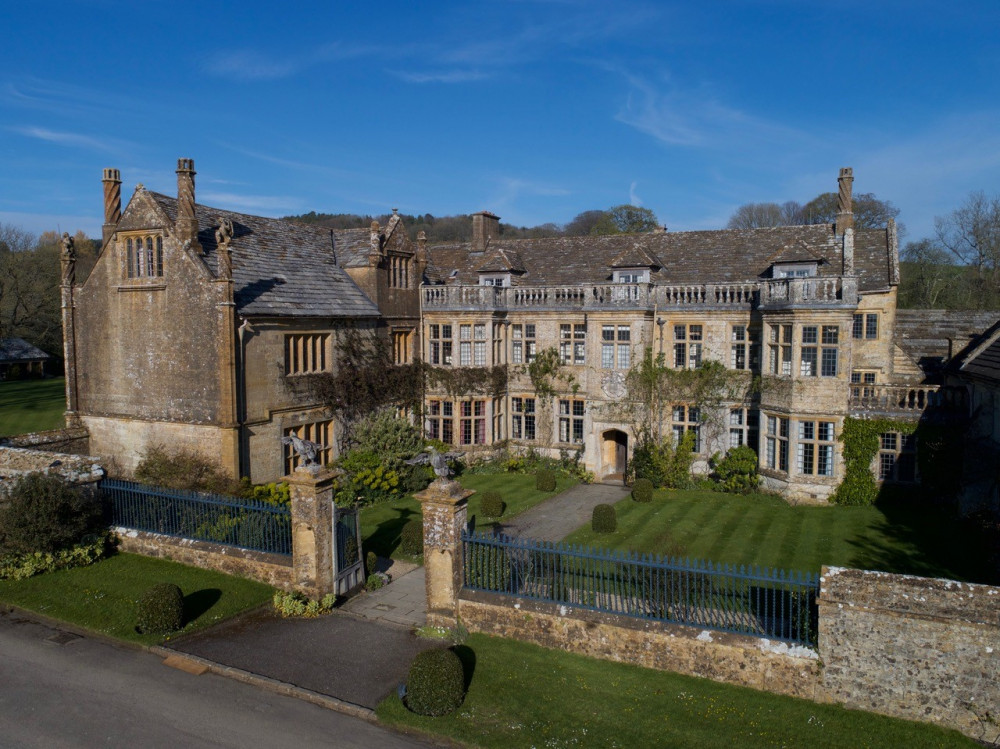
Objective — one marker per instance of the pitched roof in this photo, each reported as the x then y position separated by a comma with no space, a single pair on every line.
280,268
693,257
499,260
933,337
19,350
983,361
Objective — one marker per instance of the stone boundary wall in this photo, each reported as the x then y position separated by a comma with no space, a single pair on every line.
80,470
75,441
722,656
912,647
272,569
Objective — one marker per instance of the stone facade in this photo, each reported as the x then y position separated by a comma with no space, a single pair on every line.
912,647
197,326
444,505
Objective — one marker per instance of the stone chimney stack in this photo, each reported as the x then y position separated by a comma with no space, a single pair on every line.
845,209
187,221
485,227
848,252
112,202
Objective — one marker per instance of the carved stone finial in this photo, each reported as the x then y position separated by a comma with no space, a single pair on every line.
68,259
223,236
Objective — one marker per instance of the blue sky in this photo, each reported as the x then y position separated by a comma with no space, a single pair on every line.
534,109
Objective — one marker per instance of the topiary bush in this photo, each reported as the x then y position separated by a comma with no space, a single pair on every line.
371,563
411,539
45,515
604,519
493,505
642,490
737,471
161,610
436,683
545,481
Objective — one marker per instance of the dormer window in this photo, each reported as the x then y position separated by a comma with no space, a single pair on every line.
143,256
632,275
795,270
494,279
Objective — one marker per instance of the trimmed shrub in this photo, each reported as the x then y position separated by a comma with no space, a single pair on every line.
545,481
737,471
371,562
436,683
411,539
45,515
184,470
604,519
161,610
642,490
493,505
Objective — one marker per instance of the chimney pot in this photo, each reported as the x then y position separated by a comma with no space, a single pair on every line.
112,182
845,202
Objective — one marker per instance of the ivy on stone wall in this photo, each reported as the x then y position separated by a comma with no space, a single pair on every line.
861,445
465,381
544,372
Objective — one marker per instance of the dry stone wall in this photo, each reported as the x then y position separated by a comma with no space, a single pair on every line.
912,647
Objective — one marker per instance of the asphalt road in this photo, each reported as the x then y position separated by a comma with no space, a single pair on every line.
60,690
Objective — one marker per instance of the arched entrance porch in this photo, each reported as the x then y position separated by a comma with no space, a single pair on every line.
614,454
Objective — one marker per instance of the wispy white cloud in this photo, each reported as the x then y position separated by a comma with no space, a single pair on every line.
63,138
633,197
287,163
259,65
266,203
695,117
441,76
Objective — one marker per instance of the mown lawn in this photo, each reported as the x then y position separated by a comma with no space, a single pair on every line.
892,536
382,524
31,405
103,596
523,695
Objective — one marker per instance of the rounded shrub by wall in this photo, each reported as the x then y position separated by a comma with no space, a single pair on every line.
436,683
545,481
642,490
161,610
43,514
492,505
411,539
604,519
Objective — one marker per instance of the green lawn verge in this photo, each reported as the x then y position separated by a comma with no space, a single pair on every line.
892,536
32,405
524,695
103,596
382,524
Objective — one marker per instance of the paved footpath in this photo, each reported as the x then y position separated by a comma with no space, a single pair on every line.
556,518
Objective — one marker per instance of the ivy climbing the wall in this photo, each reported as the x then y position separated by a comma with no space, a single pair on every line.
861,445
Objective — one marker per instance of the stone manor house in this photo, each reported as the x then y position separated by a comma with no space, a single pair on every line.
196,325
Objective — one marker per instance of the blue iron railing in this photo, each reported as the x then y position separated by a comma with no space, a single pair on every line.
768,603
248,524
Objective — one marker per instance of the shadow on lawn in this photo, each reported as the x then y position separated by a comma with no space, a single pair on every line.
918,538
385,540
200,602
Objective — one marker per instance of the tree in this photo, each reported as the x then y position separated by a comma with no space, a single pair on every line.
757,216
971,233
929,280
626,219
583,223
869,211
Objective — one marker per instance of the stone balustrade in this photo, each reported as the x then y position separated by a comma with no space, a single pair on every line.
591,297
837,291
896,399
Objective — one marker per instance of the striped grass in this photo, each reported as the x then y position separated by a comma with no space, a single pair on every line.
892,536
32,405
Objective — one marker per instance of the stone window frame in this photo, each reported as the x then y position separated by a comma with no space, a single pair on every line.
573,343
616,346
776,442
896,462
572,412
523,418
688,345
863,383
307,353
815,440
141,252
686,418
744,427
865,326
829,364
523,346
440,344
472,421
399,271
439,421
782,337
631,275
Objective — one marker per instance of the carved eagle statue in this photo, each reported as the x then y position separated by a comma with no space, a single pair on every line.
438,461
305,449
